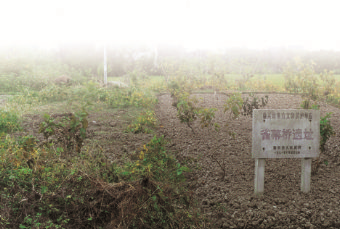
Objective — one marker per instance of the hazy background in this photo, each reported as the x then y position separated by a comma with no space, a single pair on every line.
161,36
203,24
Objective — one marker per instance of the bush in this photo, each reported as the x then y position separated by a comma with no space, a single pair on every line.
187,109
69,132
144,123
254,103
301,78
234,105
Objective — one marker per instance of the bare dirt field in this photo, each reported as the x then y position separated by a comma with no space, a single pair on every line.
229,200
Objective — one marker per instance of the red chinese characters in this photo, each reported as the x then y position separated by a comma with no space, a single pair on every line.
265,134
287,134
297,134
276,134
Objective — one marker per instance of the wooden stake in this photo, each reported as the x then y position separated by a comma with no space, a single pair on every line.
306,169
259,175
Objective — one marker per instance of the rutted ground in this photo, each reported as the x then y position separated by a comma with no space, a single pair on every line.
230,202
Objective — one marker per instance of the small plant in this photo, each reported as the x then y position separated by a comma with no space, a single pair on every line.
153,161
220,163
306,104
254,103
326,131
234,105
173,87
187,112
48,126
9,121
144,123
206,116
70,132
187,109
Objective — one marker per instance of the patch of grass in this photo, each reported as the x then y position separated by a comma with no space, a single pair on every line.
9,121
130,97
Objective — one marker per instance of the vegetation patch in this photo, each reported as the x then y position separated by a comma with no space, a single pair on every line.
144,123
42,187
9,121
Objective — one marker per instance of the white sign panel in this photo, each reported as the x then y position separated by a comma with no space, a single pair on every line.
286,133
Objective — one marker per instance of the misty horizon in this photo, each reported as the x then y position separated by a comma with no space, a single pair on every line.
194,25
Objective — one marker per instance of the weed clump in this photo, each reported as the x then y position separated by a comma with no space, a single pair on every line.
9,122
234,105
70,132
253,103
144,123
326,131
187,109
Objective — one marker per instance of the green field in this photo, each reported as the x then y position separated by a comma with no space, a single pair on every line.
274,79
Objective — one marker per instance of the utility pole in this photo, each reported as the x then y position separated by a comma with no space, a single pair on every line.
155,62
105,66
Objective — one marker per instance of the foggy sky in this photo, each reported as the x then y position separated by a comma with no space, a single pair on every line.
207,24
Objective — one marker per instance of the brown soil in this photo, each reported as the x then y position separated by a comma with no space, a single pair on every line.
230,201
105,133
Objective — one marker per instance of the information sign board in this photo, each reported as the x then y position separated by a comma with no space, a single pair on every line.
286,133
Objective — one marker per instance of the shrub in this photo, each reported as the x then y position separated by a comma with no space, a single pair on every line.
153,161
326,131
234,105
69,132
206,116
187,109
307,104
144,123
254,103
301,78
187,112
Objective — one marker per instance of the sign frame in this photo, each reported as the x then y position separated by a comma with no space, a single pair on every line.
286,133
273,131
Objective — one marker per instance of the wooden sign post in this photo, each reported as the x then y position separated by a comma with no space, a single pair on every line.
285,134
